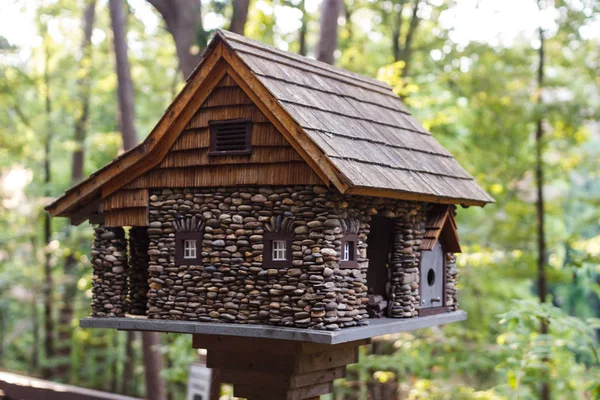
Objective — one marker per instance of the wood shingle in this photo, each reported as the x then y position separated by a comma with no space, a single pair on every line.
359,123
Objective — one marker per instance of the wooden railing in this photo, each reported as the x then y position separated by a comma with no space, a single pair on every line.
21,387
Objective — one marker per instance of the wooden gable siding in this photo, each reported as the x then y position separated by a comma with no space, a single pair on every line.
273,160
126,208
441,226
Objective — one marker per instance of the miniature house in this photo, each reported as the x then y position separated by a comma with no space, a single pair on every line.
276,190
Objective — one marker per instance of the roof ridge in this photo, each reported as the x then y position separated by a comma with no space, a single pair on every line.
228,35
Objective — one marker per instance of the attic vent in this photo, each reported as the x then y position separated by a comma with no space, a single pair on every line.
230,137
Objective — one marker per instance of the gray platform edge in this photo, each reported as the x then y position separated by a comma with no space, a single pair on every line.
376,327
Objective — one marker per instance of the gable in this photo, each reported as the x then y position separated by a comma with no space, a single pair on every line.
441,227
272,161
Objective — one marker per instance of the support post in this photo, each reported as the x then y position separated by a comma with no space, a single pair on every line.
270,369
109,283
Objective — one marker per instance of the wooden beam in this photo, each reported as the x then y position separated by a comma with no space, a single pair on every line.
312,378
23,387
84,213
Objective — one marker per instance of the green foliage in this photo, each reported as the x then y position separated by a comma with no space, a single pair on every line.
567,356
476,98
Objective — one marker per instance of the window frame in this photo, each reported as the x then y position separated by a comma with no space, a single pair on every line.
193,249
268,239
180,239
352,261
214,128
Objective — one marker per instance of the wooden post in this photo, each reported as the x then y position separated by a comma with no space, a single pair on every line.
270,369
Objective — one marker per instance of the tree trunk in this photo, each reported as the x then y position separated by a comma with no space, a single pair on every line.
70,263
407,48
35,348
125,87
155,388
48,281
303,29
539,205
128,383
396,31
328,36
184,21
240,16
85,65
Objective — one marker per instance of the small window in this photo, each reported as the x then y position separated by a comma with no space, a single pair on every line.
230,137
277,251
187,248
348,252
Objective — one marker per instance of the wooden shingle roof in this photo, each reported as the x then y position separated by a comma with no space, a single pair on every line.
353,131
360,124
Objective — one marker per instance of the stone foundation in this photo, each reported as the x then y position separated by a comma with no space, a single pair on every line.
109,283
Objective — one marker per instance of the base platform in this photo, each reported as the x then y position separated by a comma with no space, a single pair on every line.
376,327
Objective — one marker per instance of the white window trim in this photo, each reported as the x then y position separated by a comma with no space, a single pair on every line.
189,249
279,250
347,248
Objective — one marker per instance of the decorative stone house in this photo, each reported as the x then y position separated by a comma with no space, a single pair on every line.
276,190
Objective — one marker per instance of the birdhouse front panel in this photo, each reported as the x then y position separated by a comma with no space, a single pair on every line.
276,190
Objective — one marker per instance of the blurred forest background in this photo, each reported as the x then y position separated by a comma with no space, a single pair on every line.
510,87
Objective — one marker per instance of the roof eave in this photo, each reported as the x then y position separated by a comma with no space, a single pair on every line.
413,196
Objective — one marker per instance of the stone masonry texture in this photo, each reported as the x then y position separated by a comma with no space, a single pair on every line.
233,284
109,283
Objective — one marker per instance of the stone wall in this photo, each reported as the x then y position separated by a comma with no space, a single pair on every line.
232,284
109,283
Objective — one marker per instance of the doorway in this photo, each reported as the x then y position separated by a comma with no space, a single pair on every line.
433,278
379,246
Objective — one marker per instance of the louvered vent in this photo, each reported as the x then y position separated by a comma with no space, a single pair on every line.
230,137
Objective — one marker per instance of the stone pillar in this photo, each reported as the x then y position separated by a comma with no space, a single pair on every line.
408,231
138,272
451,279
109,283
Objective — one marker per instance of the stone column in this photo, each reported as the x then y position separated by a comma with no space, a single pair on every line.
138,272
109,283
408,231
451,278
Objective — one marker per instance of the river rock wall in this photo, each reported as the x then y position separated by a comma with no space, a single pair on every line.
109,282
232,283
